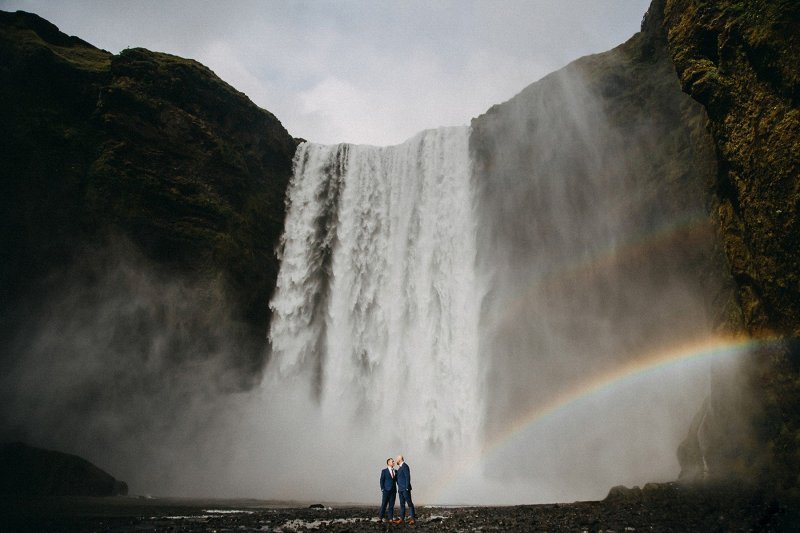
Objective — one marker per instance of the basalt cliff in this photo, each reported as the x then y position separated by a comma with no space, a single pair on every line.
741,61
145,153
143,200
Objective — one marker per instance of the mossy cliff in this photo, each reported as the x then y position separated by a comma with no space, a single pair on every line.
142,147
606,160
30,472
741,60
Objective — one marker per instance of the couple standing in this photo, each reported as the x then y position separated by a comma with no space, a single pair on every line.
394,481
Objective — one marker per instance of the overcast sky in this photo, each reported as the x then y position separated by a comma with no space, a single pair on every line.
360,71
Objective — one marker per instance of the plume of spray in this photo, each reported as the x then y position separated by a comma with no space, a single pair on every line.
432,295
377,306
130,366
591,237
593,241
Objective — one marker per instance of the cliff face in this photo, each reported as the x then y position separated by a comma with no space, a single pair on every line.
142,203
741,61
592,203
141,147
733,154
33,472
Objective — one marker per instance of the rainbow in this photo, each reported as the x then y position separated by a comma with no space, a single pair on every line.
705,349
692,230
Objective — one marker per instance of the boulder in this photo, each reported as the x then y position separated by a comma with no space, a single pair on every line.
35,472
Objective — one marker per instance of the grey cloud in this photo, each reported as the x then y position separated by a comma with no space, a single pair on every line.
361,72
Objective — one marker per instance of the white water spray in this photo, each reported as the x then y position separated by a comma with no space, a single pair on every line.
376,299
433,293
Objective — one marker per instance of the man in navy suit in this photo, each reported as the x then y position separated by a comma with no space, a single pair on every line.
404,489
388,490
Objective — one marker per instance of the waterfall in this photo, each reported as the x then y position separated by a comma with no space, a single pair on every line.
377,302
466,297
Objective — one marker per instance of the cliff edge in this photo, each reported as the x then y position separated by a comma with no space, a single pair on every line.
142,148
741,61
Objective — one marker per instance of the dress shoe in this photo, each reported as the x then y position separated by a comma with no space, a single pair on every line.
410,521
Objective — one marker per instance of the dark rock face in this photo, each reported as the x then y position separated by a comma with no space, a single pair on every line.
741,60
602,155
143,146
34,472
743,64
143,200
194,172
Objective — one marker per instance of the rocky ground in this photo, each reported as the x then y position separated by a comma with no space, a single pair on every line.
665,507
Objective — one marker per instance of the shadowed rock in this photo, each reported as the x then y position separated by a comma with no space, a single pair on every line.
143,146
34,472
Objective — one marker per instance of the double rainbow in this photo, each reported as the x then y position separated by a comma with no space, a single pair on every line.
709,349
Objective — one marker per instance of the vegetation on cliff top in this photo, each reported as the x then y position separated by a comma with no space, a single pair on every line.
143,145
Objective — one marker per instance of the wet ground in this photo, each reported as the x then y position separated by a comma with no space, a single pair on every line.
666,507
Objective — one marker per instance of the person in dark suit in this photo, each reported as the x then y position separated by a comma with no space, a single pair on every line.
388,490
404,490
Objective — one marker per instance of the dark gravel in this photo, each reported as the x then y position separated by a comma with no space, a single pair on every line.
664,507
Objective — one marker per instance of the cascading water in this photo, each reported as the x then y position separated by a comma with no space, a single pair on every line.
501,303
377,302
436,295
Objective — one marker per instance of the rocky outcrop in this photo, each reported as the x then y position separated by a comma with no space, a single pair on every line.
741,60
142,204
593,185
30,472
142,147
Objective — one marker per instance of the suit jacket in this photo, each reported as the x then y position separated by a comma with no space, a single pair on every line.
388,483
404,477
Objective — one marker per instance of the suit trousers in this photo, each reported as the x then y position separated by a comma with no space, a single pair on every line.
387,500
405,498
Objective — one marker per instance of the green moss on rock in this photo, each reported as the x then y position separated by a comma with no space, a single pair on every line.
144,145
741,60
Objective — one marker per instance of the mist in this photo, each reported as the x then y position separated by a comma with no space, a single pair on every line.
126,364
432,296
596,236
